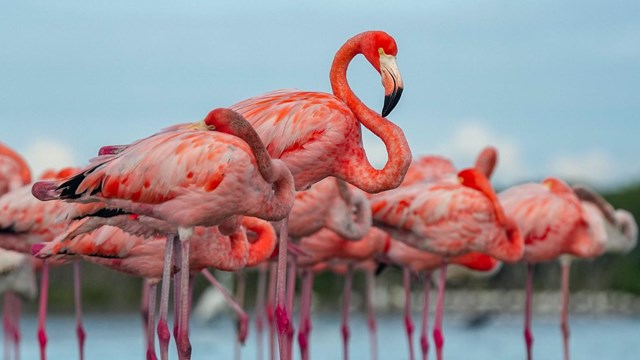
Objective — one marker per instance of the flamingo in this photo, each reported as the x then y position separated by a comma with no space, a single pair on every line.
25,221
449,217
421,262
621,237
553,222
186,178
142,257
14,173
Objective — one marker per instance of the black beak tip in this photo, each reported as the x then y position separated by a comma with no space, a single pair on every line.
390,101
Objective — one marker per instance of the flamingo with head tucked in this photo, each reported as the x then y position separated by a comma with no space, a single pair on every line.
553,222
186,178
450,217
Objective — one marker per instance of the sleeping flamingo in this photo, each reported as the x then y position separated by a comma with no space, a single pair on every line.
25,221
186,178
449,217
143,257
553,222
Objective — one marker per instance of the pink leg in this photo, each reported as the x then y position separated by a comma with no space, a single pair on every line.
42,311
177,261
283,320
305,313
260,294
564,322
371,315
424,339
183,345
438,337
144,306
291,293
346,302
270,309
163,329
528,336
241,322
80,333
16,326
151,294
408,323
7,325
243,319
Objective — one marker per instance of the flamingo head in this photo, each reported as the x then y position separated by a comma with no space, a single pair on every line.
557,186
474,179
380,49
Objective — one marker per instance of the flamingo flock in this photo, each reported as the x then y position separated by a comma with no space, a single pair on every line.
281,183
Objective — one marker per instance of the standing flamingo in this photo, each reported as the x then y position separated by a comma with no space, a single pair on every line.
142,257
449,217
553,222
25,221
187,178
14,173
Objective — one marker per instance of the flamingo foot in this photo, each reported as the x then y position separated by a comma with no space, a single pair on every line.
42,340
82,335
243,328
438,340
163,338
424,346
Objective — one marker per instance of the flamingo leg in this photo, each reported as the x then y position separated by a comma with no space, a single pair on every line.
564,322
42,311
243,319
424,328
80,332
371,314
270,310
144,306
282,318
305,313
17,306
438,337
291,293
260,294
240,322
16,326
163,329
184,346
151,294
346,302
528,336
176,287
408,323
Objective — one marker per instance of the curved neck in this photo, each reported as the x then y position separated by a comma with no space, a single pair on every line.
263,247
512,247
356,168
278,203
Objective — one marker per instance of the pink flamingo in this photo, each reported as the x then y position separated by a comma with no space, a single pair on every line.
187,178
421,262
14,173
553,222
139,256
449,217
319,135
25,221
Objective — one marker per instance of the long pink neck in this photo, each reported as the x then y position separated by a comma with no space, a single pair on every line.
356,168
277,204
263,247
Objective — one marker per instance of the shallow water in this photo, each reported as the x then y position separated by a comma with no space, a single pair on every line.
120,337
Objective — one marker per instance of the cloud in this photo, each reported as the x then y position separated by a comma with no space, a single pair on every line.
596,166
42,154
470,137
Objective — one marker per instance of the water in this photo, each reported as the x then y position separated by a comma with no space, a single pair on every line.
120,337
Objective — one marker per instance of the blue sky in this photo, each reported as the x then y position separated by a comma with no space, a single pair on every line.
554,85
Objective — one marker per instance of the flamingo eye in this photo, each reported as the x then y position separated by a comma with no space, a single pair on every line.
381,51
